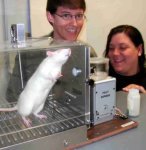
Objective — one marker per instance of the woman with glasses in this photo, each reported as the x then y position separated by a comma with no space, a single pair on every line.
66,17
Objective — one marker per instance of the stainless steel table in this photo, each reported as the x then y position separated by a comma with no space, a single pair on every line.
133,139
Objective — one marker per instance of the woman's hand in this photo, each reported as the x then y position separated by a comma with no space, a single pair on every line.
134,86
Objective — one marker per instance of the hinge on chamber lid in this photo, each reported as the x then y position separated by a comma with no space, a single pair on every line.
17,33
13,33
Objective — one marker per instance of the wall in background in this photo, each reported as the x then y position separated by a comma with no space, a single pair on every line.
1,22
39,23
105,14
13,12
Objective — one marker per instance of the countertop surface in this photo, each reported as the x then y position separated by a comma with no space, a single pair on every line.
133,139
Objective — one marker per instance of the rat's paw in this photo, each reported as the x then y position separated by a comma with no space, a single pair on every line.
41,116
27,122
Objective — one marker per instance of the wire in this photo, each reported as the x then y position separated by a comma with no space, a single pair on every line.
120,114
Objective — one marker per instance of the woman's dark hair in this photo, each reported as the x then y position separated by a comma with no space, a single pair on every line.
135,36
52,5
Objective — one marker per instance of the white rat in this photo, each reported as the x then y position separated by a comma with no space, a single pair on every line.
33,97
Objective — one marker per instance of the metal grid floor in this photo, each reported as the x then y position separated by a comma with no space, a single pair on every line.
59,118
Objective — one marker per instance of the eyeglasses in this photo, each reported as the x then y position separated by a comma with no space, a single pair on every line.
68,17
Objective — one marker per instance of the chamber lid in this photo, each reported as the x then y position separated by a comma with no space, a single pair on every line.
36,43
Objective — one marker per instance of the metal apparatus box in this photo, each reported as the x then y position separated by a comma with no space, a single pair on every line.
66,107
103,100
103,91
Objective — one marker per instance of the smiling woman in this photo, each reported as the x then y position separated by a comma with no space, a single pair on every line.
125,50
66,18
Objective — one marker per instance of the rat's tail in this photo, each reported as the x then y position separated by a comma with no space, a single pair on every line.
8,109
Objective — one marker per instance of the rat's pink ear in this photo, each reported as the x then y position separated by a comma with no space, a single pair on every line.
49,53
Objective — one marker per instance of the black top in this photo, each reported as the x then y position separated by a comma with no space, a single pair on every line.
123,81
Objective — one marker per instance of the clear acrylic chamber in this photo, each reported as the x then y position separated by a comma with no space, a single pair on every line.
67,104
